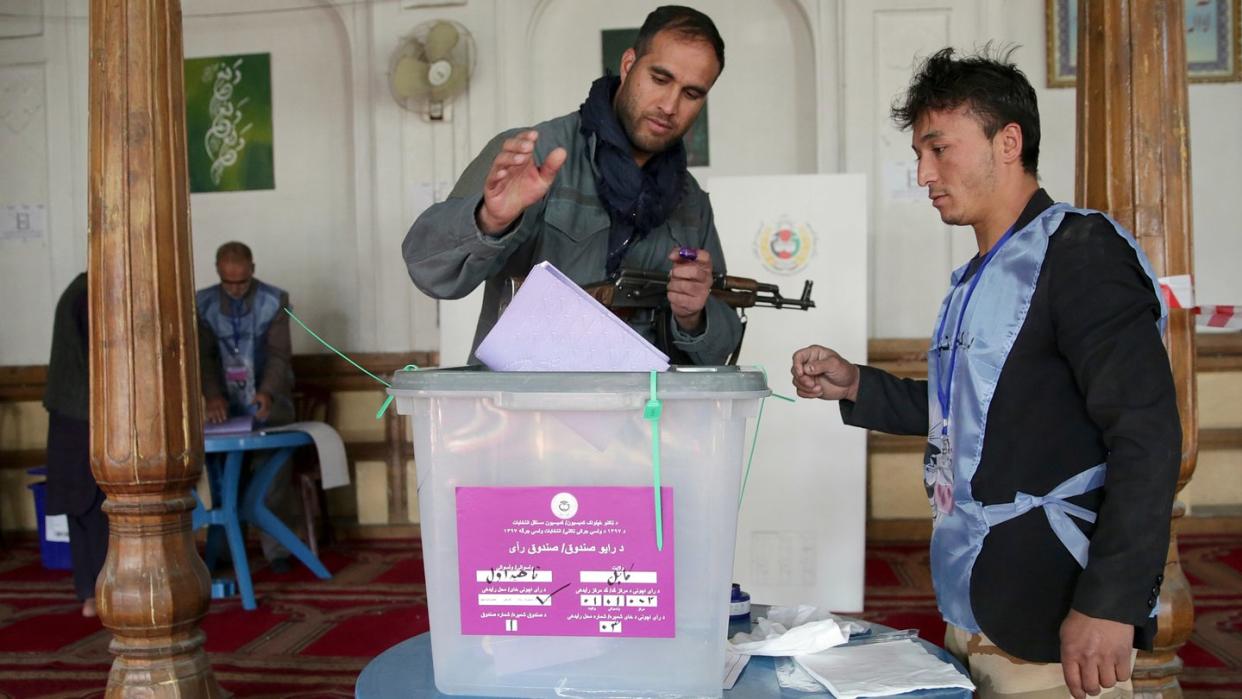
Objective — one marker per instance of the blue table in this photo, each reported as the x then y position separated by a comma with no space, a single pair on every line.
225,456
405,671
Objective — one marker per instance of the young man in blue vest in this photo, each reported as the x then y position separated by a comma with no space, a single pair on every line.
244,354
1053,434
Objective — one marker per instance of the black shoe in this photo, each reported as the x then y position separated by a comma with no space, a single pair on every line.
280,566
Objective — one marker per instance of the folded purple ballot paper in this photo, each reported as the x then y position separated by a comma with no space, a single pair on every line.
236,425
553,325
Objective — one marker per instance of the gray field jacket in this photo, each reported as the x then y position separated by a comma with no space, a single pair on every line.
448,256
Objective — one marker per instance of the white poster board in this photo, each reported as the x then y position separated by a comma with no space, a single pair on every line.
458,320
801,528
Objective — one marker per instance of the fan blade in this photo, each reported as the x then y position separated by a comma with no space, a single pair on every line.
440,41
409,78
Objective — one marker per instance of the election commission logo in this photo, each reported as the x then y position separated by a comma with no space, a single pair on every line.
785,247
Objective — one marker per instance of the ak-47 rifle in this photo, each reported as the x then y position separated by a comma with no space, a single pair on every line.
637,288
632,289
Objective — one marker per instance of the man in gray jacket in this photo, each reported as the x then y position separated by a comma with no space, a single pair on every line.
594,189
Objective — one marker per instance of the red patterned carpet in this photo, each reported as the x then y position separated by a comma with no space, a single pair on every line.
311,638
308,638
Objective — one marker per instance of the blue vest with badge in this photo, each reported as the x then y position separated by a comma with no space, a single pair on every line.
990,309
241,334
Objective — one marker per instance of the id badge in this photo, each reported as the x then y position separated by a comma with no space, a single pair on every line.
946,452
942,487
239,380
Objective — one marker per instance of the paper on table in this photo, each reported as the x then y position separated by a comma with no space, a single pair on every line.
233,425
773,639
792,616
333,468
881,669
734,664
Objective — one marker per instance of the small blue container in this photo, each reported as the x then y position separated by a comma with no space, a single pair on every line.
739,611
223,588
55,554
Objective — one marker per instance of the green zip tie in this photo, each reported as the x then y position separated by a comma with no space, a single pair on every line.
379,414
338,352
754,440
651,413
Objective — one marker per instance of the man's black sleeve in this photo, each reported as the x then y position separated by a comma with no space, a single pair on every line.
1105,315
887,403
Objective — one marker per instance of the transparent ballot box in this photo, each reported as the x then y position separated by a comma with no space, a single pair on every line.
553,568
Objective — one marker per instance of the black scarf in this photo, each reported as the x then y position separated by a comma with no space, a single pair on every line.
637,199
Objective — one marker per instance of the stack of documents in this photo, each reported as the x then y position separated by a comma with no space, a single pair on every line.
812,654
235,425
881,669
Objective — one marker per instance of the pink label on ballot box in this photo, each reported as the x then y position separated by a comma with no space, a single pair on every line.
567,561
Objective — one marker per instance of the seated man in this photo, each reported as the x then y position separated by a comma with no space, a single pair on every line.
244,352
244,343
594,189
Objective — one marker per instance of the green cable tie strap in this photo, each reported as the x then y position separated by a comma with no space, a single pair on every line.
754,440
651,413
379,414
337,351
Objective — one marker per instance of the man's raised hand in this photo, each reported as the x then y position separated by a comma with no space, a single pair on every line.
515,182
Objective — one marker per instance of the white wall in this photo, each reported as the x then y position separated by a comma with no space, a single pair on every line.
301,232
805,89
1215,151
42,163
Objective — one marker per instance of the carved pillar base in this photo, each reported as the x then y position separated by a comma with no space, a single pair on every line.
156,638
185,673
1155,673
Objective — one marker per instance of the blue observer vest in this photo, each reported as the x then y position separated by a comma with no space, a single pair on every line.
241,336
992,320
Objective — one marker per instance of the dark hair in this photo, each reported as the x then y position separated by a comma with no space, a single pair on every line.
234,251
988,83
686,22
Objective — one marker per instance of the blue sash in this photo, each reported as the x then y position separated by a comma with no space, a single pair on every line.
989,327
242,339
